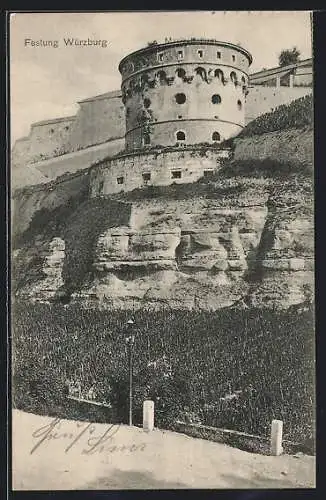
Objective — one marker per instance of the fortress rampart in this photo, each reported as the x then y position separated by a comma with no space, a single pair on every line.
160,167
99,119
263,99
166,100
46,139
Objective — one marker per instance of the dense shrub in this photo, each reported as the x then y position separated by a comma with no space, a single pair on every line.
266,168
236,369
297,114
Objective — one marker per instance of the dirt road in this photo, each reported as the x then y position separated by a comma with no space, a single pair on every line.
67,455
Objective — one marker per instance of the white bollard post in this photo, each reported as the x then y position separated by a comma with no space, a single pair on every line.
148,415
276,437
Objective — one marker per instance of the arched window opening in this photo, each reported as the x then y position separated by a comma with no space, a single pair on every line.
181,73
147,102
132,88
218,55
216,99
144,78
201,72
161,76
239,103
180,135
216,137
243,80
200,53
218,73
233,57
180,98
233,77
127,112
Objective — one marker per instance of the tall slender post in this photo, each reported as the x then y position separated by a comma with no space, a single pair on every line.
131,345
130,342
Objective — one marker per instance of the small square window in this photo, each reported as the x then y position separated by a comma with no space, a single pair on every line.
200,53
120,180
218,55
160,57
208,173
176,174
180,54
146,176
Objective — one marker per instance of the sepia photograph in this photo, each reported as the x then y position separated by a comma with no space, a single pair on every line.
162,250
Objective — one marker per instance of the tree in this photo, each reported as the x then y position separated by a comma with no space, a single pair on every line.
288,56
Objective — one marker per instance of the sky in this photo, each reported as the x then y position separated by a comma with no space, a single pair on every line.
47,82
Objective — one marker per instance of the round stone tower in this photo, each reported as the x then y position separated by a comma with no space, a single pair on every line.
184,92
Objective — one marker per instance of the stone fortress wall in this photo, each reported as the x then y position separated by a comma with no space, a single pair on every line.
69,144
276,86
162,167
46,139
100,119
263,99
185,91
246,243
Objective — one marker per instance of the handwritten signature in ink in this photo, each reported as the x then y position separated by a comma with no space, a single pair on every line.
86,433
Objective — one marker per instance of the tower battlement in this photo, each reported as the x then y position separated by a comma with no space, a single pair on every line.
184,92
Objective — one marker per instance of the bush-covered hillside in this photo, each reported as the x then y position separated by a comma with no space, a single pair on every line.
236,369
297,114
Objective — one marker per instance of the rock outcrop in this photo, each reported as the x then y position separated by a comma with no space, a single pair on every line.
45,270
241,246
237,239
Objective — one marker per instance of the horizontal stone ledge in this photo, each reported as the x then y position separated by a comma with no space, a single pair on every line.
128,261
132,232
114,266
237,264
291,264
157,150
185,232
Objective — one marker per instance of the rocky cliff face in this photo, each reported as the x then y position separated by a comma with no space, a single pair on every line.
252,247
231,241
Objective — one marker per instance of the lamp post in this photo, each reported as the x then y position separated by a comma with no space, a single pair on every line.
130,342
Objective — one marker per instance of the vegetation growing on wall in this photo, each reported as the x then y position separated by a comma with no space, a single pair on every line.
157,148
236,369
79,223
297,114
